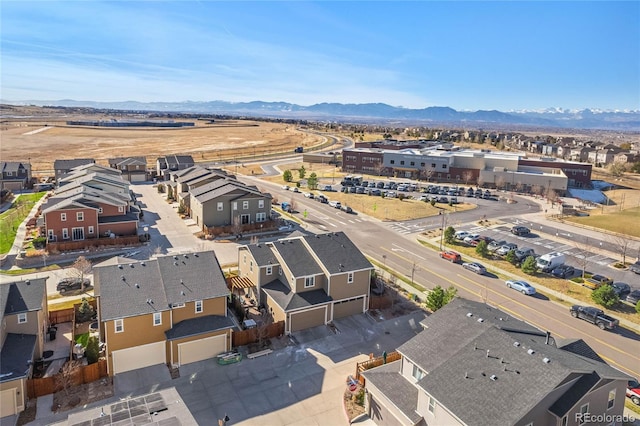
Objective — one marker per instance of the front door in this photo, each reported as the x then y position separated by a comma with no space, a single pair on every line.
78,234
244,219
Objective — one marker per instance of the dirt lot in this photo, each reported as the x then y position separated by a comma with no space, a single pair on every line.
42,136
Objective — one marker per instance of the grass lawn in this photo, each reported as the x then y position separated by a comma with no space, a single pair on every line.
12,218
623,222
82,339
18,272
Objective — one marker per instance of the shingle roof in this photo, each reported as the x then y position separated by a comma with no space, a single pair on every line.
200,325
22,296
296,256
574,394
70,164
262,254
288,300
160,282
121,161
13,166
337,252
403,394
16,351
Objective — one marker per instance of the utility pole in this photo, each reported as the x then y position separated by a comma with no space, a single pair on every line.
442,229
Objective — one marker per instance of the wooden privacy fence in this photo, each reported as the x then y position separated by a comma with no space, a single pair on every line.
374,362
245,337
68,315
380,302
83,374
54,247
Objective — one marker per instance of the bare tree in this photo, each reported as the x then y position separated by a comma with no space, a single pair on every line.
65,378
426,172
262,330
81,268
499,182
622,244
379,167
467,176
236,227
537,189
480,180
583,254
293,204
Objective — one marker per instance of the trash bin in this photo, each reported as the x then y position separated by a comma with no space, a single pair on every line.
52,334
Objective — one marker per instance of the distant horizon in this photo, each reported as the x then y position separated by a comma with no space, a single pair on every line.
467,55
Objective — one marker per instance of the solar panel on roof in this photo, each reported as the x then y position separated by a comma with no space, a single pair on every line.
157,406
119,407
120,415
172,421
85,423
136,411
153,397
101,421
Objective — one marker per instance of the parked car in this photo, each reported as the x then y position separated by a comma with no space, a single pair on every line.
461,235
423,198
295,189
521,286
67,284
321,198
475,267
495,245
635,268
633,391
360,190
335,204
327,188
633,297
506,248
524,252
621,289
596,281
474,242
346,209
376,192
595,316
286,187
309,195
391,194
451,256
520,230
443,200
470,238
563,271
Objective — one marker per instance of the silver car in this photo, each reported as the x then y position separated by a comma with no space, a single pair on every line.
521,286
475,267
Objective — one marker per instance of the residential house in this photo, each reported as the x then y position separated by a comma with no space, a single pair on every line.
171,163
16,175
473,364
626,157
133,169
62,167
168,310
580,153
184,181
24,320
225,202
307,281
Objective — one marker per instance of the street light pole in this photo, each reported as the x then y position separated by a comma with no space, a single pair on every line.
441,229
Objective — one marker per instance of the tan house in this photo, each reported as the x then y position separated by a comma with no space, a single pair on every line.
307,281
473,364
24,320
169,310
133,169
15,175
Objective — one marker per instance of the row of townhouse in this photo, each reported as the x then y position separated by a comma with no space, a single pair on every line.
90,202
213,198
16,175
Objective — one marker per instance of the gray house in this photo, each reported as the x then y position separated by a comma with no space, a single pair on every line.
476,365
225,202
16,175
62,167
171,163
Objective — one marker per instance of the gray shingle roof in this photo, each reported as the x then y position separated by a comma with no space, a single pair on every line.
403,394
574,394
288,300
70,164
22,296
262,254
161,282
16,351
296,256
201,325
337,252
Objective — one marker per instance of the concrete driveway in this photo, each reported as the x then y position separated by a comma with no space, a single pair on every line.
300,384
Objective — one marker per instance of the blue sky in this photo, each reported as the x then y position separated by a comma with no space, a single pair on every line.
466,55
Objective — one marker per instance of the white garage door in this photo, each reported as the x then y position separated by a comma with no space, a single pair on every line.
201,349
139,357
8,402
138,178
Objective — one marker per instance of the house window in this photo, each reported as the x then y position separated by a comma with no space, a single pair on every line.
120,209
565,420
261,217
220,206
90,230
245,205
349,277
251,265
433,165
119,325
612,399
22,318
269,270
413,163
244,259
65,233
234,206
584,410
393,161
177,305
444,166
417,373
309,282
78,234
432,405
402,162
421,164
157,318
79,216
63,217
50,235
244,219
261,204
198,306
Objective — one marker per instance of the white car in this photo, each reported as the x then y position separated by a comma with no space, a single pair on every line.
308,195
461,235
285,187
335,204
470,238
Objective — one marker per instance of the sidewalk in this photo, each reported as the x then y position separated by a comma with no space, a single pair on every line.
8,260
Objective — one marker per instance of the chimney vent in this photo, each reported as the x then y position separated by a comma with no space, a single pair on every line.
466,375
469,315
119,266
546,360
137,285
143,264
494,377
531,352
131,265
175,257
487,353
480,320
516,344
123,278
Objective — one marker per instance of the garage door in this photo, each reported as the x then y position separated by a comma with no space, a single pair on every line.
138,178
307,319
201,349
139,357
8,402
348,307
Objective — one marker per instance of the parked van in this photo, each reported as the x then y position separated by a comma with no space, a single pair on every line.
547,262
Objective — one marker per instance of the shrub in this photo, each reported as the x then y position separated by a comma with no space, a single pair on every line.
511,258
481,249
287,176
638,307
577,280
605,296
93,350
85,311
529,266
449,235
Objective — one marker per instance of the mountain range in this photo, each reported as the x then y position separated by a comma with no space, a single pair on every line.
377,112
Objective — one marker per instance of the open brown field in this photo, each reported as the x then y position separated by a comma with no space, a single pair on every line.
43,138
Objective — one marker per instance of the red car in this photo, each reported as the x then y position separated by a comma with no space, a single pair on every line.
633,391
451,256
475,241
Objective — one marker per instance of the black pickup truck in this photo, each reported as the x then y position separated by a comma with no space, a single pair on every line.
595,316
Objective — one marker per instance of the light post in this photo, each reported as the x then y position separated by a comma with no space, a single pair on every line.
441,229
413,270
384,264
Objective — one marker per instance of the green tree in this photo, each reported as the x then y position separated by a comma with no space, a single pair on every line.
438,297
312,182
625,146
85,311
617,169
605,296
511,257
92,351
287,176
481,249
449,235
635,167
302,172
529,266
433,202
638,307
